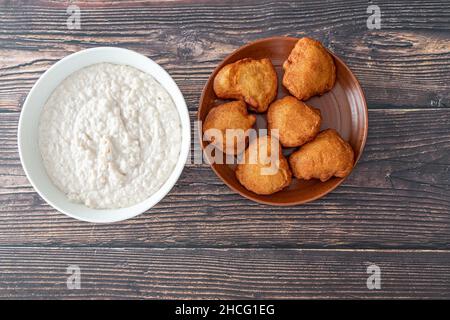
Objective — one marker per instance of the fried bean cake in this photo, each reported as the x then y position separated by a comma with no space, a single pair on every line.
309,70
296,122
251,80
229,116
265,170
326,156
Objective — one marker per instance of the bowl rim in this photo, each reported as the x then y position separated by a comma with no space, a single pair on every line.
105,216
254,198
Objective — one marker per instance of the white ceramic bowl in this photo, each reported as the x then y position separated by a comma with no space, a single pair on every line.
28,131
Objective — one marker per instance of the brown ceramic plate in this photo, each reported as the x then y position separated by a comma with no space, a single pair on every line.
343,108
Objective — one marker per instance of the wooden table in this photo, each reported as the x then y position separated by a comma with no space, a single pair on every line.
205,241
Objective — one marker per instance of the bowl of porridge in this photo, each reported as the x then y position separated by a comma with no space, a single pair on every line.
104,134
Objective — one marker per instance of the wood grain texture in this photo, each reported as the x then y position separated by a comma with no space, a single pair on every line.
397,197
222,273
404,64
204,241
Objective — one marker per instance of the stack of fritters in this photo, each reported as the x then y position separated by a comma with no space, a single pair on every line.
308,71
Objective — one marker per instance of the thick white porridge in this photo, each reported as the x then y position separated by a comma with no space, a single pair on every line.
109,136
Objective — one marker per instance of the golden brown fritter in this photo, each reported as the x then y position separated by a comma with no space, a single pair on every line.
309,70
326,156
296,122
254,81
231,115
264,172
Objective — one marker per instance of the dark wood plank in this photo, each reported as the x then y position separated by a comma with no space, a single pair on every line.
397,197
40,273
405,64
